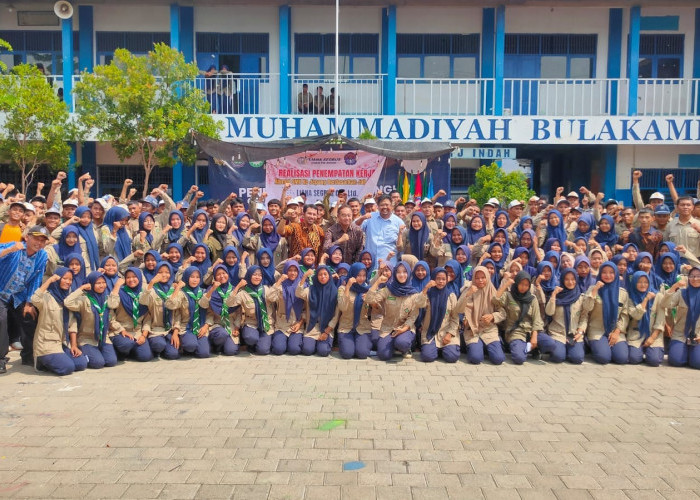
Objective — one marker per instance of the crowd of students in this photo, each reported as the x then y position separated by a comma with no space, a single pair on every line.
86,282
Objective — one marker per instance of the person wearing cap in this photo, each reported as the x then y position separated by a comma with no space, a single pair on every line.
662,216
22,266
449,207
11,230
488,211
370,205
439,210
533,206
685,229
433,223
152,204
68,209
29,217
573,198
515,209
52,219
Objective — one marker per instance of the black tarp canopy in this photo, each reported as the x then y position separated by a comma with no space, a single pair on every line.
269,150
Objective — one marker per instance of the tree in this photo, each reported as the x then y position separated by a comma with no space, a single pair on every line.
146,107
492,182
4,46
37,123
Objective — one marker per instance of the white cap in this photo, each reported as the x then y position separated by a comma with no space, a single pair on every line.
515,203
296,201
29,206
370,201
74,190
318,202
71,202
438,204
493,202
572,194
534,198
102,203
426,200
657,196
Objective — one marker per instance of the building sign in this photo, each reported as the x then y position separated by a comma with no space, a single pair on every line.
483,129
484,153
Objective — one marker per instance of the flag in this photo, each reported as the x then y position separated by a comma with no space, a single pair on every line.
405,188
412,189
431,188
419,185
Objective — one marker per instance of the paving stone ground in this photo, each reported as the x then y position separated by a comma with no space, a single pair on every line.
289,428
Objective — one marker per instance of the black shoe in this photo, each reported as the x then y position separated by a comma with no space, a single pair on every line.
536,354
27,362
3,366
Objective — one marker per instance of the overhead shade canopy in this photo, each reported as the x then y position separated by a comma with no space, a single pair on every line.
269,150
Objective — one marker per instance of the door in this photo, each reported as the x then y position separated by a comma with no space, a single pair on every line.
520,96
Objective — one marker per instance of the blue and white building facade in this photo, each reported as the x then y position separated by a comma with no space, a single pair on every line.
584,92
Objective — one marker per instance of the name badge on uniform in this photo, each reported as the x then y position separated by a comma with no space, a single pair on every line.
391,297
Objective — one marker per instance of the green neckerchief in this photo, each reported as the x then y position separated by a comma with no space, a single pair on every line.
303,270
165,296
257,297
225,317
100,312
195,315
134,305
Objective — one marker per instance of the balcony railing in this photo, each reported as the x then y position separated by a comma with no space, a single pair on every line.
356,94
363,95
444,96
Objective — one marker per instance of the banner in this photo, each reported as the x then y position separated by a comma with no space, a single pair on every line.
242,178
314,172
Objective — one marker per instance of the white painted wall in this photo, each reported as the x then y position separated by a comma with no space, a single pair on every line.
633,157
463,20
321,19
114,16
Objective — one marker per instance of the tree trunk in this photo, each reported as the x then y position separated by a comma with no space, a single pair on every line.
147,169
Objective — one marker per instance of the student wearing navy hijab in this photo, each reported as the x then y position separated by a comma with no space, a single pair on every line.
51,343
88,239
321,299
265,260
232,260
585,226
191,324
440,333
224,321
545,283
289,321
401,305
684,297
417,241
76,264
129,316
644,339
157,326
556,228
175,255
114,233
585,278
606,232
175,229
252,297
455,278
476,230
666,270
605,316
354,325
562,312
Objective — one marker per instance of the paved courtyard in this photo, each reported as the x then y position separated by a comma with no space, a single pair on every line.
307,428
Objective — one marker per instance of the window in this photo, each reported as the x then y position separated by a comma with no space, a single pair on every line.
558,55
315,53
37,47
437,55
136,42
240,52
654,179
661,56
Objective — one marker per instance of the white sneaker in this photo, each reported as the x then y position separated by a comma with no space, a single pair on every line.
17,346
408,354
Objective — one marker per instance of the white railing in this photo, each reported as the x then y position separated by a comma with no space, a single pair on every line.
668,97
242,93
444,96
565,97
356,94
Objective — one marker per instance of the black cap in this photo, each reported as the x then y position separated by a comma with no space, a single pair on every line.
611,202
39,231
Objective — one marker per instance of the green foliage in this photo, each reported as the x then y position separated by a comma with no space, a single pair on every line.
4,46
492,182
366,134
36,127
146,107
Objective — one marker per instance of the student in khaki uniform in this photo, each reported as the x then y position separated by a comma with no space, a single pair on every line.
224,324
289,311
400,311
644,340
604,317
423,244
563,310
159,319
190,327
51,351
268,238
150,236
354,327
321,299
58,254
440,332
128,337
87,237
684,297
523,320
257,322
93,303
481,318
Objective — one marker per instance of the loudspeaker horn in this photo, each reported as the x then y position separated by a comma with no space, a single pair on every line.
63,9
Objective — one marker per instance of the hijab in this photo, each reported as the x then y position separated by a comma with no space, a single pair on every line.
329,261
495,219
111,280
122,247
557,232
523,299
257,293
548,246
608,238
587,281
527,267
87,233
520,228
401,289
100,311
220,236
637,297
217,302
341,280
662,276
419,284
238,233
149,275
549,285
203,266
437,298
291,301
567,297
495,279
269,240
323,301
142,220
466,267
372,265
269,271
193,294
505,245
455,286
164,290
59,295
63,250
418,238
553,255
588,218
480,302
473,236
359,290
174,235
129,297
199,234
610,296
532,261
176,266
303,266
691,297
233,271
78,279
